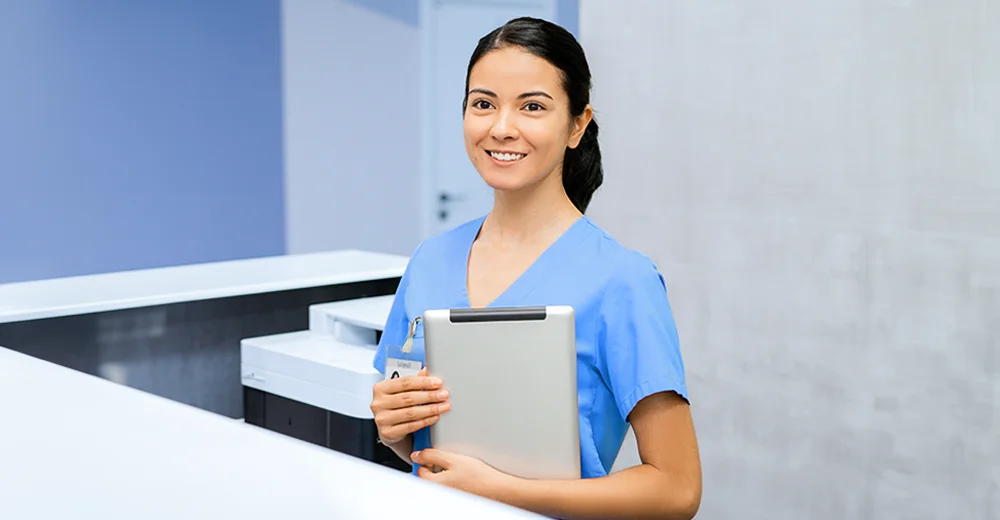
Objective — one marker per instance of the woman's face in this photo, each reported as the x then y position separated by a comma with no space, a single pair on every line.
517,119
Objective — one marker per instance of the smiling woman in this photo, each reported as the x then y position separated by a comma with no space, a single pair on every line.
530,133
527,88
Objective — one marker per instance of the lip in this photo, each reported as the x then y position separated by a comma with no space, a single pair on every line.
504,164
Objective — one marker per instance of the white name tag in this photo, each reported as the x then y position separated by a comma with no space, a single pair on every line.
396,368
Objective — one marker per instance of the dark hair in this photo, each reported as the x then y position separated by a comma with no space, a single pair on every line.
582,172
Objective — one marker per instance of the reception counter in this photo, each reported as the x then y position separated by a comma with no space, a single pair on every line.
175,332
77,446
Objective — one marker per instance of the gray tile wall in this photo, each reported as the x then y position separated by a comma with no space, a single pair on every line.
820,184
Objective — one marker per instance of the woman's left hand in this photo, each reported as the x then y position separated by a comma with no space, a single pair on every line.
460,472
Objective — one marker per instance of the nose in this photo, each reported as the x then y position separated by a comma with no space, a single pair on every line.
504,127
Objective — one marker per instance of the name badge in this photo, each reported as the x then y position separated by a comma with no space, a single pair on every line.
396,368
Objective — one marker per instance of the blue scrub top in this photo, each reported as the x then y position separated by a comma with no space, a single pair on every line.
627,346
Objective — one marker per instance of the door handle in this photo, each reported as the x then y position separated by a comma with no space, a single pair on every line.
444,198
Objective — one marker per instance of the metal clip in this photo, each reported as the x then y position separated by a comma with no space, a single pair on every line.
408,344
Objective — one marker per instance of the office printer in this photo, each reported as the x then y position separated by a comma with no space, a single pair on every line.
316,385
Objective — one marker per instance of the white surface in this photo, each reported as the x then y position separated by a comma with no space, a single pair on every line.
350,126
530,429
366,313
312,368
76,446
450,31
130,289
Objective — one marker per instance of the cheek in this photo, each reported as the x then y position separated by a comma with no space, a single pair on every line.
475,128
547,140
469,131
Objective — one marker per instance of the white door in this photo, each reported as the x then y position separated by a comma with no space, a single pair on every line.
453,192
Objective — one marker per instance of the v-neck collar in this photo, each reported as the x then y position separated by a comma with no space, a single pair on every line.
525,283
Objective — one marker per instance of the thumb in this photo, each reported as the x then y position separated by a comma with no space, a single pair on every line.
423,372
430,457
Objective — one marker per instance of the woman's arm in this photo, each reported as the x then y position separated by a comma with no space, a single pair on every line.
667,485
402,449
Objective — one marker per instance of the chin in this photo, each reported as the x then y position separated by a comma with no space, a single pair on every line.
505,181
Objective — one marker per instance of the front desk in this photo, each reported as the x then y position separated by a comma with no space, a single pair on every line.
176,332
284,344
78,446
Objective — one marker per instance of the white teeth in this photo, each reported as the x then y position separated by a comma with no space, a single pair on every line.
506,156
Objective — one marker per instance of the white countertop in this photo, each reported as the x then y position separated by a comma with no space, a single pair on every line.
77,446
141,288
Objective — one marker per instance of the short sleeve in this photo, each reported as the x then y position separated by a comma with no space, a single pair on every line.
398,323
641,351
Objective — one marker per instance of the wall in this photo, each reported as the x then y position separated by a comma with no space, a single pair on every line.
351,71
138,134
820,183
351,126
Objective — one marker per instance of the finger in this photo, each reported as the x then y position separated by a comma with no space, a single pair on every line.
423,372
398,431
393,417
412,383
432,457
427,474
417,398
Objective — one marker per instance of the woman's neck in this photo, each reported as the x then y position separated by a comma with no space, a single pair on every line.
539,212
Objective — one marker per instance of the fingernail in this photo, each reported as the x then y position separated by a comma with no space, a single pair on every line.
443,394
436,381
444,407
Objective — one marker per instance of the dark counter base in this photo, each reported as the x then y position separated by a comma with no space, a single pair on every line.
356,437
189,351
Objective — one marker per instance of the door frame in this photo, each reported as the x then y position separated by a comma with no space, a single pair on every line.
427,27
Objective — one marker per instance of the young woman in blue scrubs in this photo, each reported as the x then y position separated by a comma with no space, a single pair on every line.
530,133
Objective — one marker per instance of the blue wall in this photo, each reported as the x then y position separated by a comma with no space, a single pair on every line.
568,15
138,134
408,11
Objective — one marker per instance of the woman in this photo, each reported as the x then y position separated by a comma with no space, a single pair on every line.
530,133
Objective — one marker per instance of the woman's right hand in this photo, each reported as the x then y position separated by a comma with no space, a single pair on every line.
404,405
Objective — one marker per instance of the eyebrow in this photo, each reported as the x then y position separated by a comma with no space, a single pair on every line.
490,93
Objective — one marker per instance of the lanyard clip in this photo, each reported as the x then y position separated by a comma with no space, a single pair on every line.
408,344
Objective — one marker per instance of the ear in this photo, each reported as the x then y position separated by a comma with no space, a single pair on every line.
579,127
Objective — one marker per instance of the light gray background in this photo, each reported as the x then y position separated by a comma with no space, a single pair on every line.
820,183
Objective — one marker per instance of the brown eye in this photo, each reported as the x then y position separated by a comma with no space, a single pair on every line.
533,107
482,104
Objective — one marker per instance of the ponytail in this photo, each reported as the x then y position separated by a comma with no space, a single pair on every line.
582,170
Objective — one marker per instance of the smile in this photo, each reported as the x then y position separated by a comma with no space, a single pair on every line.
507,157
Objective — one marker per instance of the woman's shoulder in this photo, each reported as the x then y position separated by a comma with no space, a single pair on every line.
618,263
629,278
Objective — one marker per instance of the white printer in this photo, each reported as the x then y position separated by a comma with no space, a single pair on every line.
316,385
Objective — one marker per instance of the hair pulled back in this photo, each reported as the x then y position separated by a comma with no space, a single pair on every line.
582,172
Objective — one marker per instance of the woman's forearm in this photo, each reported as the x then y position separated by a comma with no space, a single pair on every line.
639,492
402,449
